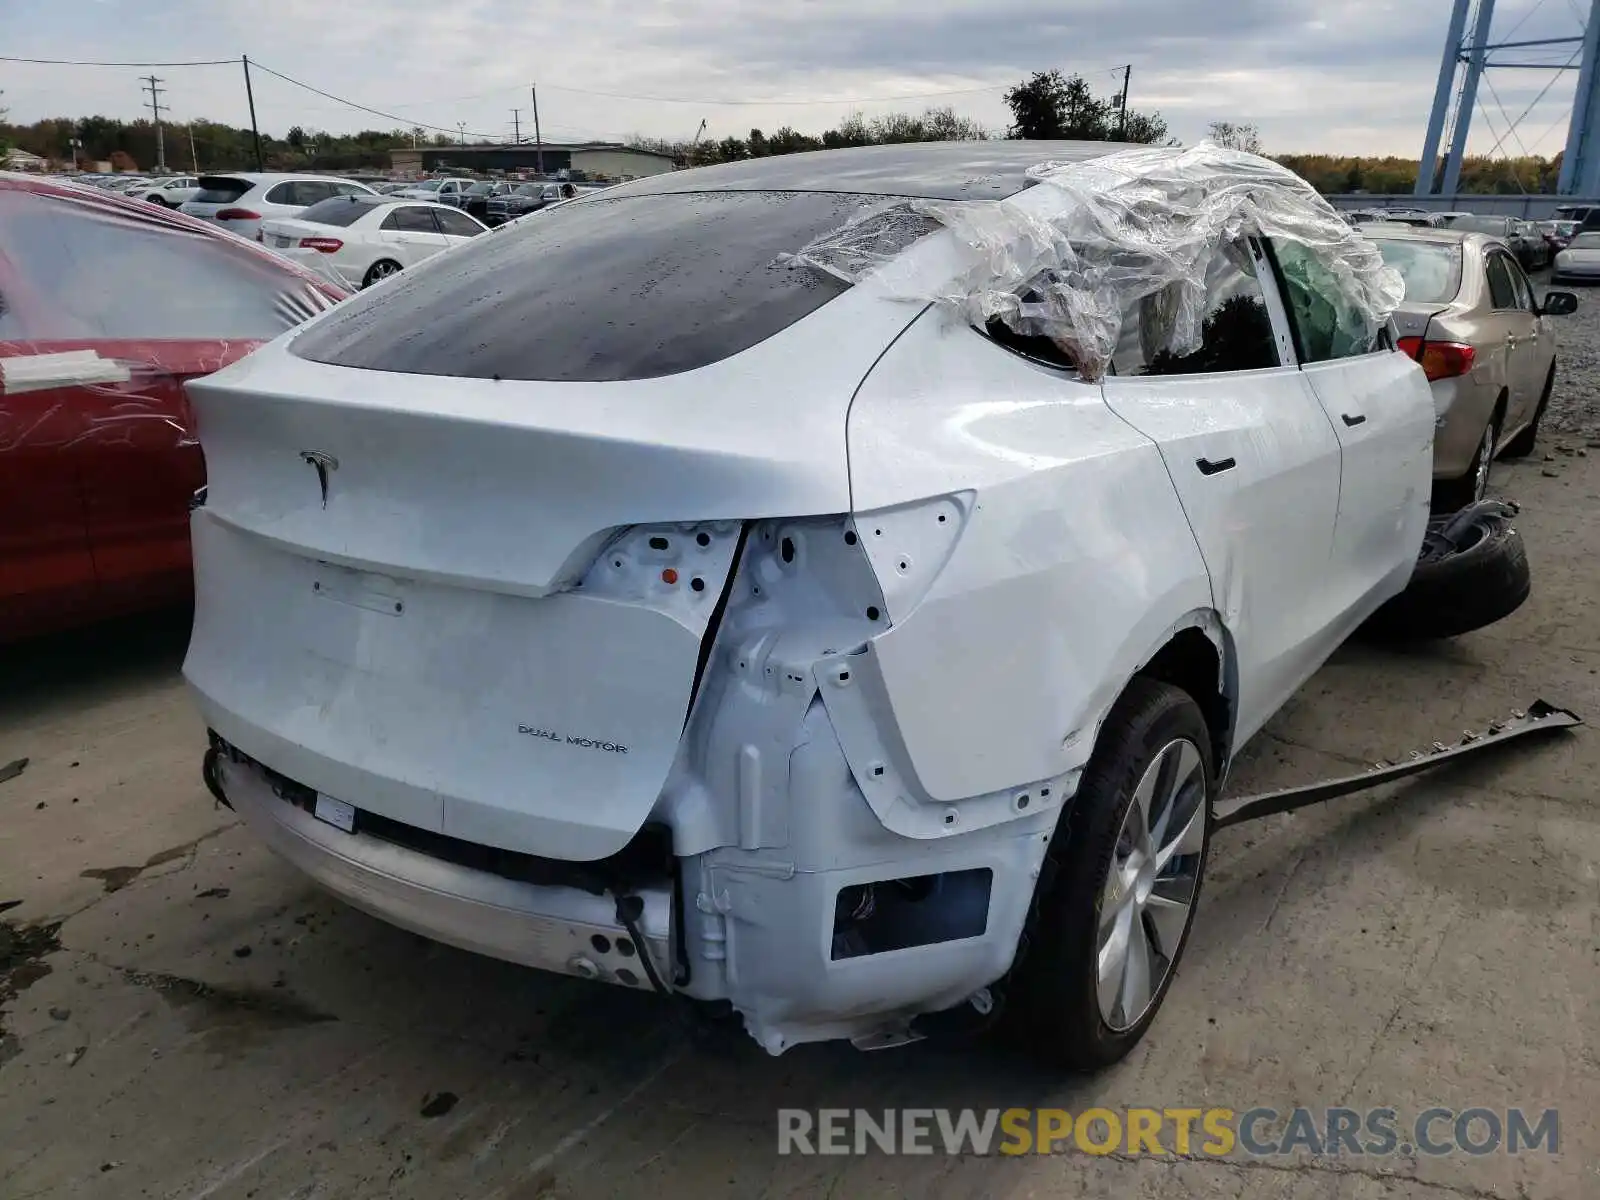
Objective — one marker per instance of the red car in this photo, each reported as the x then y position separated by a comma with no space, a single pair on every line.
107,307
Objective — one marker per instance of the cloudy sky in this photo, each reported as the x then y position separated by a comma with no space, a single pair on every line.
1354,76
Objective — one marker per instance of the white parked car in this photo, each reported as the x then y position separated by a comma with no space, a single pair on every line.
368,238
442,190
739,584
172,192
241,200
1580,261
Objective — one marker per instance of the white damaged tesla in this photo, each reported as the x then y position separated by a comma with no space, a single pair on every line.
830,587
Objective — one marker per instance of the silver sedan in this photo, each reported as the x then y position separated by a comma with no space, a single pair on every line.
1482,335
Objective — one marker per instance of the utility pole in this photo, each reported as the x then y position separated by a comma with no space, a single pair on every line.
538,141
156,93
194,159
254,130
516,127
461,126
1122,127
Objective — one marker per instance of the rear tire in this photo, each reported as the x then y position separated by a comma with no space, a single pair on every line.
381,269
1522,445
1105,888
1473,578
1451,495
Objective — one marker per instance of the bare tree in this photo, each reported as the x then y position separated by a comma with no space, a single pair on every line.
1236,137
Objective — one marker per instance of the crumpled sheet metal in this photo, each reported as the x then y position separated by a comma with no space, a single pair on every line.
1092,242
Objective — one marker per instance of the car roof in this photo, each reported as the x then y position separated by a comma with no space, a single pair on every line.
277,176
1439,235
987,170
1420,233
379,200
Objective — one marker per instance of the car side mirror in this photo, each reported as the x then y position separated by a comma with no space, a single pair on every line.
1558,304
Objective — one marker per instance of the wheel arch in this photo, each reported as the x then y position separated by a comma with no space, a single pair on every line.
1198,658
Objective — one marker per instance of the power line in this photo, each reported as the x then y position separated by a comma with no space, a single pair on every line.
990,87
74,62
387,116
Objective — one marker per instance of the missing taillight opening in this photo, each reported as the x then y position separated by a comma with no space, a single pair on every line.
902,914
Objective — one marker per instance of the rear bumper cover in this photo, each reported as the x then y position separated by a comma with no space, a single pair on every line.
755,929
552,928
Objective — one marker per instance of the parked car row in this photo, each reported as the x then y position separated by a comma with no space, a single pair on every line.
1535,243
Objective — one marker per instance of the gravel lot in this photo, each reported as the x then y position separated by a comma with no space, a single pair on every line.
185,1017
1575,402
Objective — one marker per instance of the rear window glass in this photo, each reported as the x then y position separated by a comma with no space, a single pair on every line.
1432,272
221,189
628,288
336,210
1471,224
1586,241
73,270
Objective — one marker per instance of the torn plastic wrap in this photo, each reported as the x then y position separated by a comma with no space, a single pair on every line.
107,307
1096,242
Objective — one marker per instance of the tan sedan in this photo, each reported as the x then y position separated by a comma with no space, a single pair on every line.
1472,319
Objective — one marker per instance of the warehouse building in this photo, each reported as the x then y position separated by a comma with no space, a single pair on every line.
592,160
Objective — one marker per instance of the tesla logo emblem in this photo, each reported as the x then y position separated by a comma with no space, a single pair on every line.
323,463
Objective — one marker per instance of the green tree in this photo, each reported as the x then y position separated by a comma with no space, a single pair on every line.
1147,129
1050,105
1038,106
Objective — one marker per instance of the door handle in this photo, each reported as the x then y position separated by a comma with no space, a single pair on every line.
1353,421
1208,467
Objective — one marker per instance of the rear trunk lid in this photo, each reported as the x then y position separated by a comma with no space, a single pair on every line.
478,605
1412,320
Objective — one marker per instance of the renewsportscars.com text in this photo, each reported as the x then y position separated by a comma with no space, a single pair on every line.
1214,1132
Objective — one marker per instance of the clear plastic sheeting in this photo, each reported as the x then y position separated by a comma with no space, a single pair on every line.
76,269
107,308
1101,242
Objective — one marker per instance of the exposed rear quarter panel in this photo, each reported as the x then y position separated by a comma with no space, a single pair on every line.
1074,565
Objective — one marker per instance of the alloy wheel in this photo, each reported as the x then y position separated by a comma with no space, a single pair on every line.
1148,897
1480,479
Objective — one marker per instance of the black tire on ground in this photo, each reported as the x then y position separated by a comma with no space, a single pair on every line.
1450,495
1052,1009
1522,445
381,269
1473,572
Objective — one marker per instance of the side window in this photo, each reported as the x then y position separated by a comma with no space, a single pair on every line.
283,193
1520,281
457,224
413,218
1236,327
348,189
312,191
1327,324
1502,291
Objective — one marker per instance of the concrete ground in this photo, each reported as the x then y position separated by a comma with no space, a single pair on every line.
186,1017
